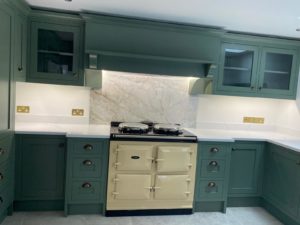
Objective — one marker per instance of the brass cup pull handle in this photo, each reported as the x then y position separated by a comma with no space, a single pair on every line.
213,163
2,151
1,176
86,185
211,184
88,147
214,150
87,162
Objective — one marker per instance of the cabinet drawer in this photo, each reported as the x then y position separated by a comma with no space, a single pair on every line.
5,199
86,167
5,146
210,190
4,176
87,146
85,191
213,168
214,150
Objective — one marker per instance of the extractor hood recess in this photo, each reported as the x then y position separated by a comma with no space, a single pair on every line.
150,47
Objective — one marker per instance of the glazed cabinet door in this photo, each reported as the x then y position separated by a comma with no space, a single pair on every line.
278,75
238,68
40,167
246,169
282,179
55,54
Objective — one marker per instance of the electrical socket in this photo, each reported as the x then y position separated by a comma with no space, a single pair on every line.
260,120
23,109
77,112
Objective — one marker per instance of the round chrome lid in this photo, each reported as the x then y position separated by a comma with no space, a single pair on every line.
167,128
133,126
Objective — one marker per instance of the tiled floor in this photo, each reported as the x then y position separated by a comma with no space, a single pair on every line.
234,216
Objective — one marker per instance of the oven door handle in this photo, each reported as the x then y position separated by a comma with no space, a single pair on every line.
159,160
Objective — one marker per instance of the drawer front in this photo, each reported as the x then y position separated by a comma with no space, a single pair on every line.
86,167
4,176
6,197
213,168
214,150
210,190
87,146
86,191
5,146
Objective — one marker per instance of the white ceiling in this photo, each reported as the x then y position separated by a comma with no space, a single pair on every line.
274,17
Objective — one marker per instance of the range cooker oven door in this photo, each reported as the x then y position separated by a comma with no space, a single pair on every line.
172,187
132,187
134,158
174,159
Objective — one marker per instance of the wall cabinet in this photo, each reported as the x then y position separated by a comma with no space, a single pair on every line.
40,169
55,53
282,180
259,71
86,175
246,169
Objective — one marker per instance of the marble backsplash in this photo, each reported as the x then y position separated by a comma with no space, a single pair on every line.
136,97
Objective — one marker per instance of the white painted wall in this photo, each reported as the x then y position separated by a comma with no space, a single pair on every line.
52,103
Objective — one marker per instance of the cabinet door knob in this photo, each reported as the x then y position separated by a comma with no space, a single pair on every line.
88,147
2,151
214,150
20,69
211,184
87,162
213,163
86,185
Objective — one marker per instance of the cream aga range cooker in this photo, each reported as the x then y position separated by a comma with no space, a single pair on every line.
151,169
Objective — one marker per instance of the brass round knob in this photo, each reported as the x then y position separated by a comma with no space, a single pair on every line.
87,162
86,185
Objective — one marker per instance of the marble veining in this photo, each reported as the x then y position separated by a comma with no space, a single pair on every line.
234,216
135,97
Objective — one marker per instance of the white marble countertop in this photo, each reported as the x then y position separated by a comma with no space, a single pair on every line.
103,131
70,130
279,138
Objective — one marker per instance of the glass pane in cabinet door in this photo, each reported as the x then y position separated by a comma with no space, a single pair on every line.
238,68
55,51
277,71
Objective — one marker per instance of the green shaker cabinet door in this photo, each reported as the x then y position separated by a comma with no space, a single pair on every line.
40,170
5,63
246,169
20,48
55,54
238,68
277,72
282,179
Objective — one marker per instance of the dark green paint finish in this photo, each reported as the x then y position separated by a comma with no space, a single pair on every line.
86,175
39,205
281,185
244,202
246,169
55,66
40,167
206,206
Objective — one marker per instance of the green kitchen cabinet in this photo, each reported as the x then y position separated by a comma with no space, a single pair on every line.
6,30
20,47
56,50
246,169
260,67
86,175
281,186
213,163
40,171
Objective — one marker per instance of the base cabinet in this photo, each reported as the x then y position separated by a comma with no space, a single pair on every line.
40,169
246,169
282,180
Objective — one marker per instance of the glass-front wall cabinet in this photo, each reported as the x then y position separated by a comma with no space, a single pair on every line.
238,68
55,53
277,69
